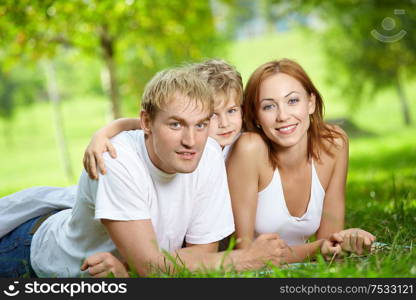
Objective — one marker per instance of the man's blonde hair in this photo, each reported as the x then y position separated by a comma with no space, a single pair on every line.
222,76
170,84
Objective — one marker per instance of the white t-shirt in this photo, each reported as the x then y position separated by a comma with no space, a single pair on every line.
194,206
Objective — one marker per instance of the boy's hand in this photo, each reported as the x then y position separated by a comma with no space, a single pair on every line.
93,155
100,265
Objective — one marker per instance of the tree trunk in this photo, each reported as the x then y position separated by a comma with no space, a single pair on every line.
54,98
111,84
403,102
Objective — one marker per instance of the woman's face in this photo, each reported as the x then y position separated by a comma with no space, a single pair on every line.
283,110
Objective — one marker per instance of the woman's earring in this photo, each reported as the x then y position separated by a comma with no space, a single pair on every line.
258,126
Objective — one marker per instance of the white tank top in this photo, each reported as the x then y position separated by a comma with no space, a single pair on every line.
273,215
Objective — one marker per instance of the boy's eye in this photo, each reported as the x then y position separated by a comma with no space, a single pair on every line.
233,110
293,101
175,125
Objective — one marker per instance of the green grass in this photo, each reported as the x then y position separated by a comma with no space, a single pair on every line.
381,187
393,263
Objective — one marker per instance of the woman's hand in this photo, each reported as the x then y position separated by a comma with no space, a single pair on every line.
101,264
93,155
331,247
356,240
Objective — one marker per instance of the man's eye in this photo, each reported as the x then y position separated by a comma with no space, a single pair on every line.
201,125
175,125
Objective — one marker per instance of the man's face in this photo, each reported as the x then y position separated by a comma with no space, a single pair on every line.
177,135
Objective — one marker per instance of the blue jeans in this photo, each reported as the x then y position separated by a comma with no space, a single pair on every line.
15,250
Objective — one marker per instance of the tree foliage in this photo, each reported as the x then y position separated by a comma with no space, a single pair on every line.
366,48
12,94
132,38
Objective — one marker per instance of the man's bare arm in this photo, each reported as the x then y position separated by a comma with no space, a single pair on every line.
136,241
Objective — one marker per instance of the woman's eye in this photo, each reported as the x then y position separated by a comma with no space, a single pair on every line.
269,107
293,101
232,110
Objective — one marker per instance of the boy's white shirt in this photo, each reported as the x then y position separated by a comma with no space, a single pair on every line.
196,206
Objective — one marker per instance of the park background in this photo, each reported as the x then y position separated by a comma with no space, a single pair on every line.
69,67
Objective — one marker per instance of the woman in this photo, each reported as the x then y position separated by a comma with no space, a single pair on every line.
287,172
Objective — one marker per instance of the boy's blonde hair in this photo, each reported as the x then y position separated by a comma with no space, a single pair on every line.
222,76
170,84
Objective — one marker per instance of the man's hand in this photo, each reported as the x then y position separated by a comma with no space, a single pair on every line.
101,264
265,248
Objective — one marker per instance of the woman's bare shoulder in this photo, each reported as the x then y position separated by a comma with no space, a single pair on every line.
249,147
251,142
249,154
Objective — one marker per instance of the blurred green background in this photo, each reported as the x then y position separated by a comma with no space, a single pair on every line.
69,67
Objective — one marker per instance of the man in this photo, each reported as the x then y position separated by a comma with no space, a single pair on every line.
167,184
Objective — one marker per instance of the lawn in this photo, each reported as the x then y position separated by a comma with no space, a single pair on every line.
381,189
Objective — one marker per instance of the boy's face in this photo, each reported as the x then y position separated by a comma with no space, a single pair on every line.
177,135
226,122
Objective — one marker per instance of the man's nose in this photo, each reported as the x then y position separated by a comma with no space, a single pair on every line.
188,138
